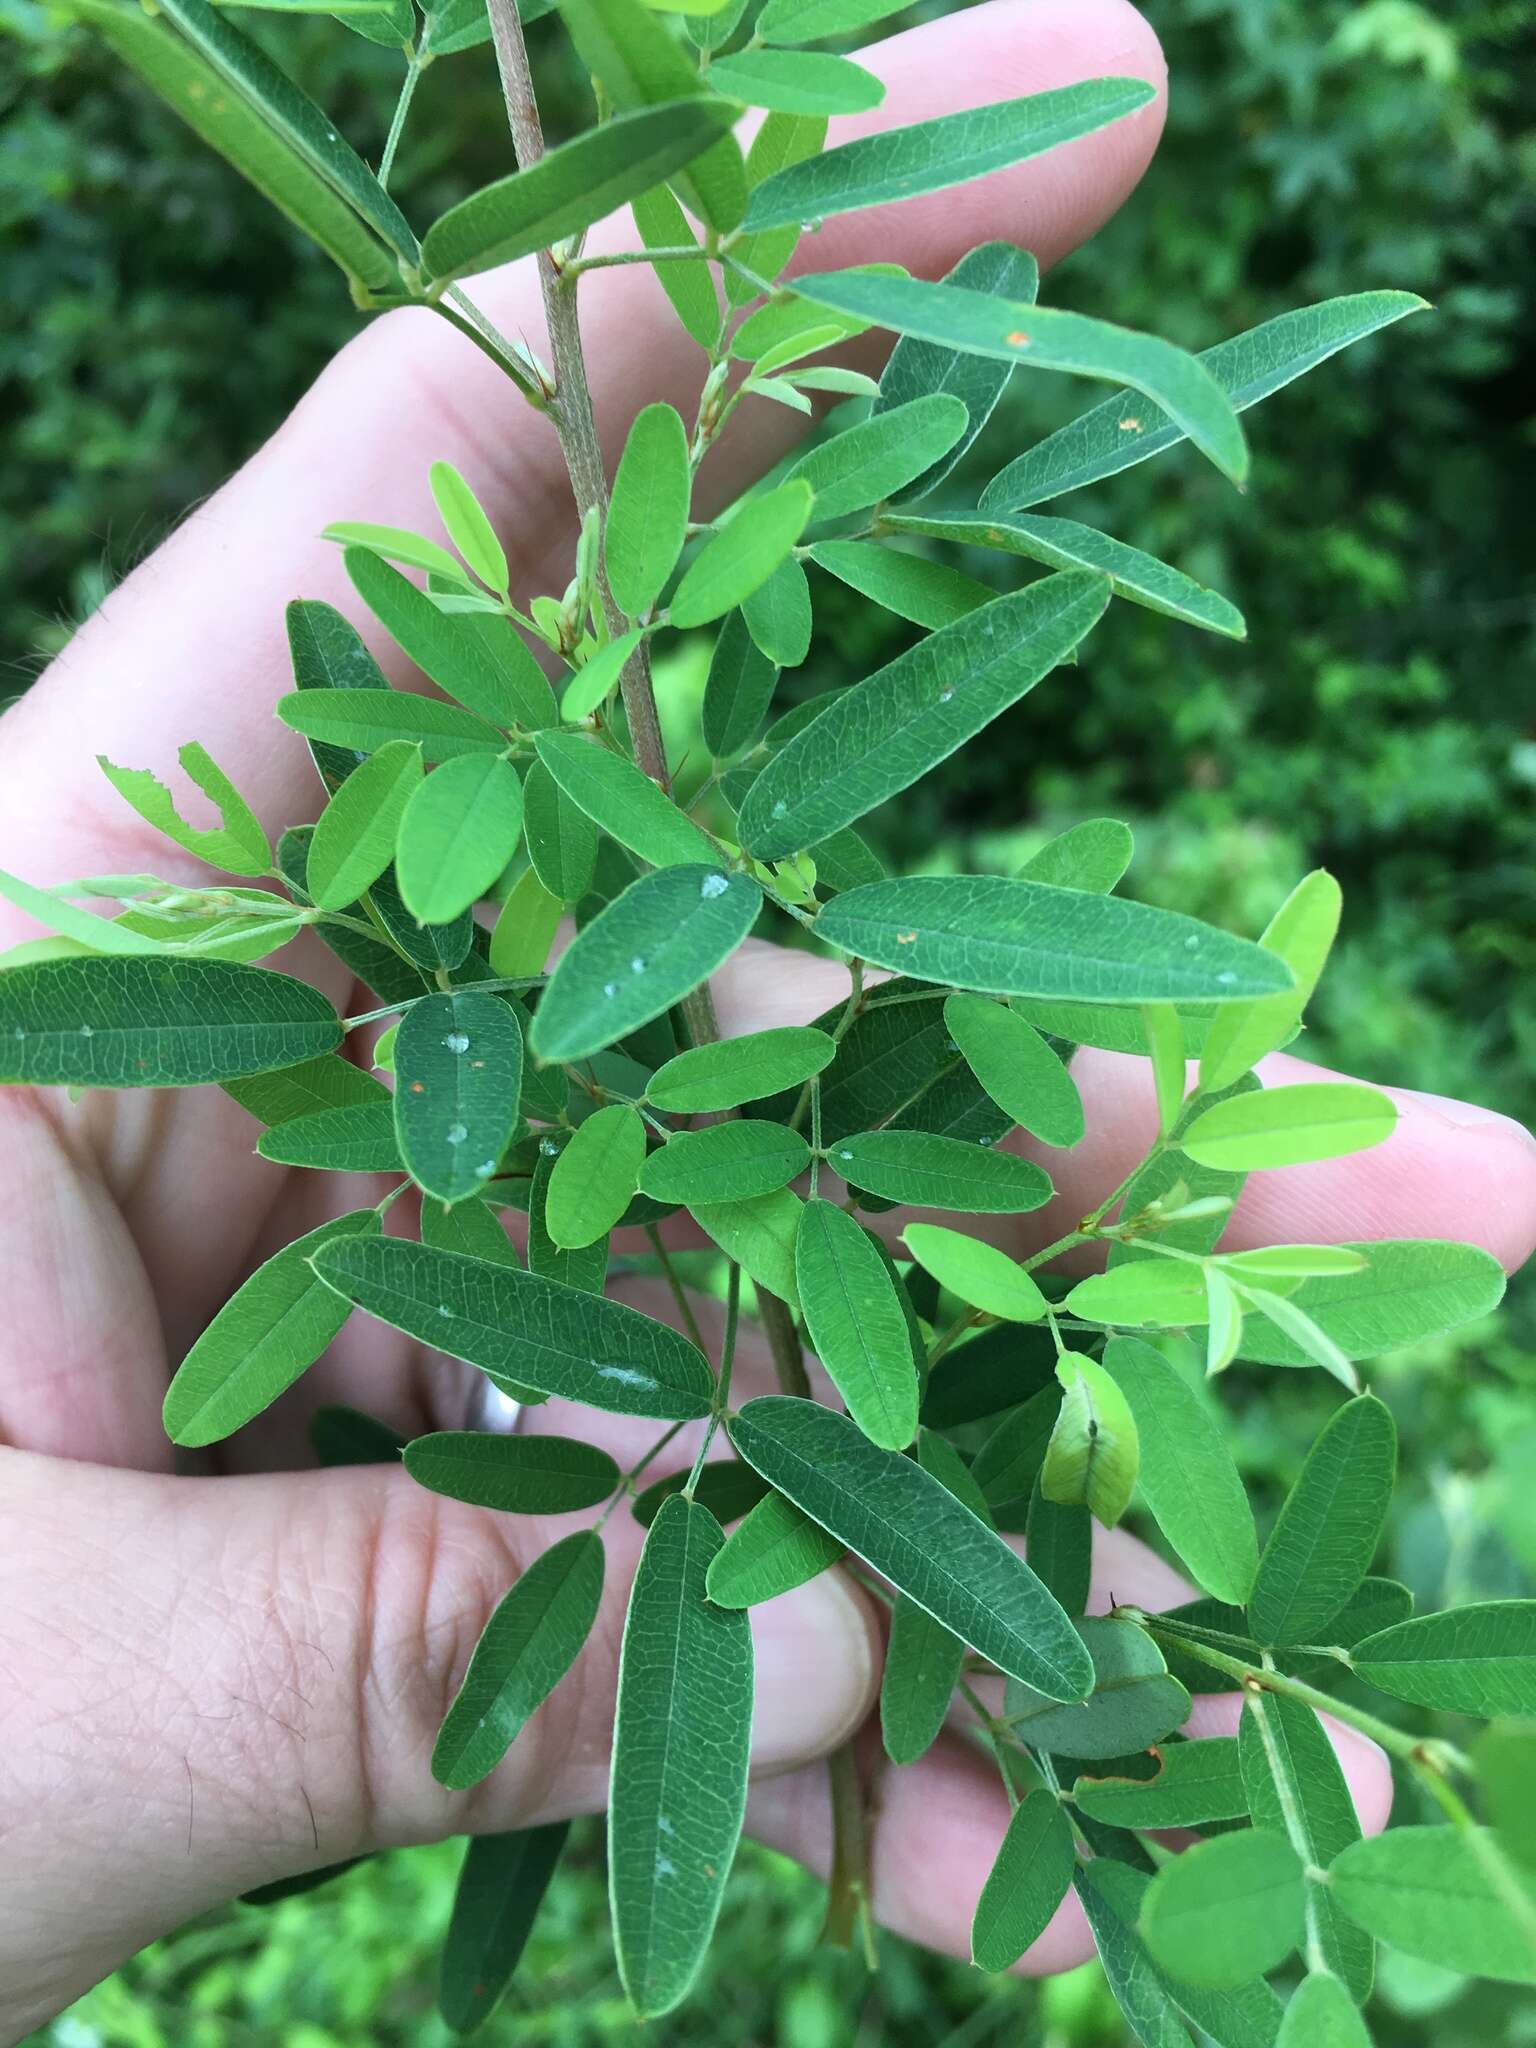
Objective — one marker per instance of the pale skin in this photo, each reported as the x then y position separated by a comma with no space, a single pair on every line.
212,1682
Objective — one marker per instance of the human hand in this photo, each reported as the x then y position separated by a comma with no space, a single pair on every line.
214,1682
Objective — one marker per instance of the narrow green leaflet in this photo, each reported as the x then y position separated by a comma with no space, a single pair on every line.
807,21
1289,1126
1156,1292
928,593
459,829
1093,855
1325,1539
729,1162
1094,1451
401,544
1478,1659
1225,1910
1187,1475
525,928
362,721
916,367
901,163
1429,1891
923,1661
243,138
1064,544
776,1548
458,1074
346,1436
1296,1787
584,1267
882,454
661,224
881,735
1027,1882
562,839
327,653
354,1137
740,555
501,1887
594,1179
330,1082
1111,1895
977,1272
1410,1288
477,659
521,1328
796,82
1134,1701
1301,932
238,845
354,841
518,1475
1058,1541
1032,939
682,1731
1009,1461
1198,1782
781,140
270,1331
473,1228
737,1070
738,690
913,1531
1018,1069
1249,367
529,1643
648,513
1044,338
622,798
156,1023
644,952
856,1323
940,1173
759,1234
468,525
572,186
1321,2014
778,615
82,927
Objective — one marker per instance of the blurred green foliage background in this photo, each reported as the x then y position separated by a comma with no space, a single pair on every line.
1378,720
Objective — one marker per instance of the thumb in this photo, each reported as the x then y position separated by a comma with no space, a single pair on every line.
216,1683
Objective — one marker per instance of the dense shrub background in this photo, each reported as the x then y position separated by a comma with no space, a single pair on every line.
1379,720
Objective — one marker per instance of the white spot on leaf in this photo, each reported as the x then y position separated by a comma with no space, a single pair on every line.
714,885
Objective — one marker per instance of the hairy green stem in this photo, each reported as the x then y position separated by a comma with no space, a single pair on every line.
413,70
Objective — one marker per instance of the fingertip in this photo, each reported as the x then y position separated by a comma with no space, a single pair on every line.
817,1657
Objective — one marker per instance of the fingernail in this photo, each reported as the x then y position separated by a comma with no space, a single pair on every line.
815,1670
1462,1116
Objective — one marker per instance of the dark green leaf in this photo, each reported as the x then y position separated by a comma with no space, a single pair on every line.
1092,855
518,1475
939,1173
330,1082
726,1487
882,454
1111,1895
1008,1464
346,1436
356,1137
778,616
622,798
1478,1659
431,946
362,721
738,692
1134,1701
458,1072
479,660
1322,1546
501,1887
1058,1542
562,839
662,224
354,841
856,1323
928,593
1198,1782
728,1162
777,1548
1027,1882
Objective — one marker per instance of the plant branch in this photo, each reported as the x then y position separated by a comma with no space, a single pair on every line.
413,70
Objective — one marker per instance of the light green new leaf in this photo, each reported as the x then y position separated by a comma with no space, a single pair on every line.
459,829
623,800
155,1023
1225,1910
648,512
354,841
781,140
271,1330
928,593
400,544
1064,544
354,1137
796,82
778,615
1478,1659
238,845
1093,855
1249,367
1031,939
682,1731
571,187
521,1328
1094,1451
1044,338
458,1075
661,224
856,1323
776,1548
1018,1069
585,1267
912,1530
1296,1787
737,1070
80,927
598,677
729,1162
759,1234
468,525
594,1179
529,1643
1293,1261
876,458
1245,2015
648,949
1323,1544
738,690
517,1475
741,555
1198,1782
363,721
1505,1760
501,1886
978,1273
1430,1892
1301,932
525,929
1134,1701
1028,1881
1321,2014
1410,1288
1187,1475
562,839
1160,1294
901,163
1289,1126
940,1173
881,735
